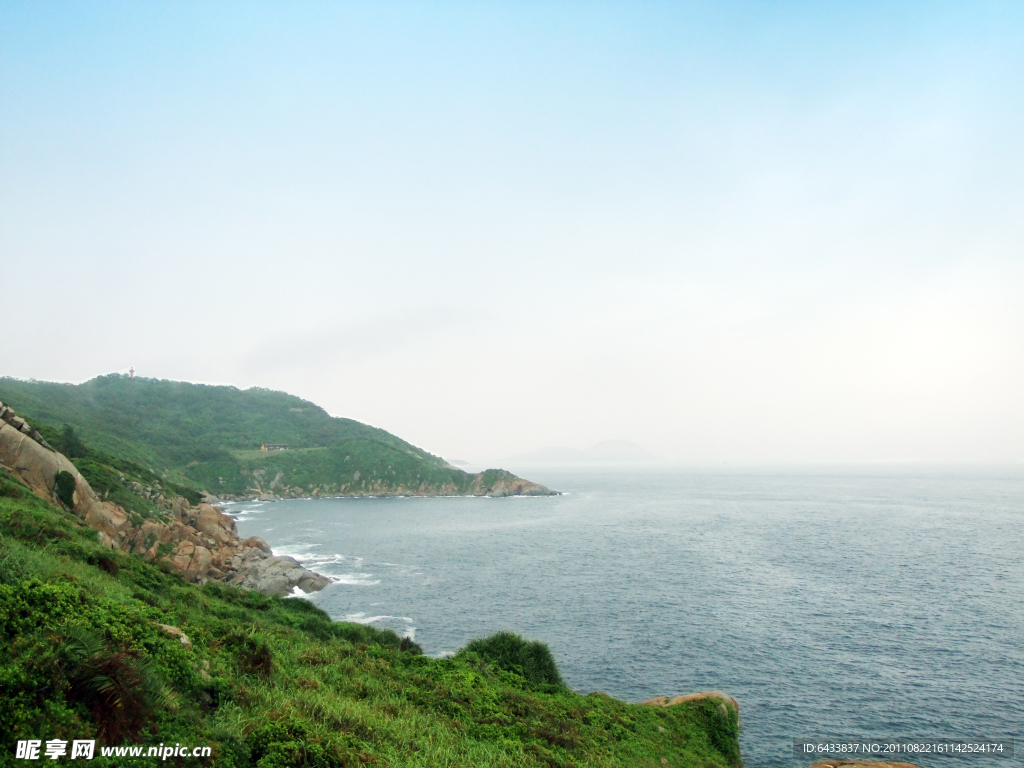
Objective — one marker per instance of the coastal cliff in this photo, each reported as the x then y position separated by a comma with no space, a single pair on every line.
245,444
201,543
146,620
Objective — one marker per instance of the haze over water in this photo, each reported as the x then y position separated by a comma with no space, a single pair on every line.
870,602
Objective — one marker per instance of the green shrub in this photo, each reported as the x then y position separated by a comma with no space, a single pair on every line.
509,651
65,486
721,722
253,652
291,744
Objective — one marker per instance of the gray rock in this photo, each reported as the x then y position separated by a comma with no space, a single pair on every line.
312,582
277,576
175,632
179,509
257,543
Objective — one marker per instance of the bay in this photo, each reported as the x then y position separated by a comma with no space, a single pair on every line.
867,602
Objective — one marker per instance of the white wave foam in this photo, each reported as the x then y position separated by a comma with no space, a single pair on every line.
362,618
355,579
322,560
313,559
300,552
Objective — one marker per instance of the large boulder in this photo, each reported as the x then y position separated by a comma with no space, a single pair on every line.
310,581
201,561
146,539
215,524
109,519
179,509
38,467
257,543
276,575
182,557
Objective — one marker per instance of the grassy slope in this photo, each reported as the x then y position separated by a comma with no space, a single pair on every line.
205,436
283,684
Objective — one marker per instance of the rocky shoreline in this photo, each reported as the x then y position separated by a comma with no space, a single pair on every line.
201,543
228,498
505,486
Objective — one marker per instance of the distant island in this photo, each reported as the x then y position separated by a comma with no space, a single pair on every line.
607,451
227,443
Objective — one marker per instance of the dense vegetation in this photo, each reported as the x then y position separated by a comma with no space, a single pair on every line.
507,650
208,437
270,682
135,488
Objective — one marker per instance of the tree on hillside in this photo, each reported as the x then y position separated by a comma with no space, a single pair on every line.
71,444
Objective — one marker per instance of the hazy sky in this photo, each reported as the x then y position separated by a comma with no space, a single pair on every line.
759,231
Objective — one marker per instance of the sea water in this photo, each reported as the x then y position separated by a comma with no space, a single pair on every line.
875,603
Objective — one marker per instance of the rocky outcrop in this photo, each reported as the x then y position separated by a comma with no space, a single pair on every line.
203,544
499,483
8,416
199,542
493,482
275,575
724,700
38,465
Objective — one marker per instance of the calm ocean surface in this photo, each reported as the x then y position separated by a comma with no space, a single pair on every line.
871,603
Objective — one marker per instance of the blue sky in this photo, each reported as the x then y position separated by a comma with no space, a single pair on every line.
726,231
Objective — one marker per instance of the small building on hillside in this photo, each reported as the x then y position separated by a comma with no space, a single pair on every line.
274,447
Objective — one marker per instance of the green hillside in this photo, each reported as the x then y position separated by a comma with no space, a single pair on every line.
209,437
92,650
